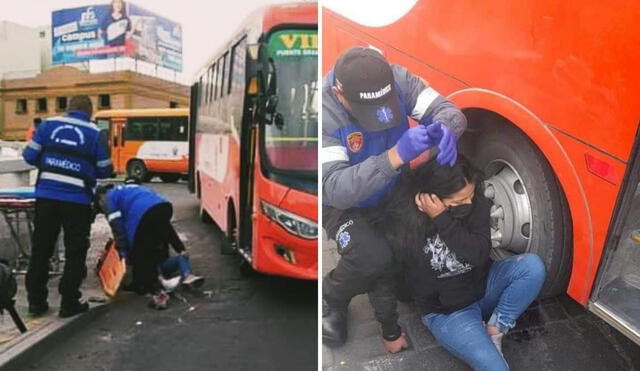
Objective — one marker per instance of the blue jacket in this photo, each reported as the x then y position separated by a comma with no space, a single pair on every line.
124,206
356,171
70,152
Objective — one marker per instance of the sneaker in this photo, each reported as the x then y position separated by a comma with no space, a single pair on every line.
169,284
193,281
159,301
37,310
70,310
497,341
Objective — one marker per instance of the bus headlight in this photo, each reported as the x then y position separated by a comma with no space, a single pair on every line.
293,223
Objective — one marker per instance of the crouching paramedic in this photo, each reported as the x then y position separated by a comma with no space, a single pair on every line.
366,140
70,152
141,223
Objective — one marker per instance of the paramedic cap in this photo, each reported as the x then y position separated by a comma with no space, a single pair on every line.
366,80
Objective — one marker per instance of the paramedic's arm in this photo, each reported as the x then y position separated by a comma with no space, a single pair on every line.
114,216
174,240
344,184
425,104
33,150
104,166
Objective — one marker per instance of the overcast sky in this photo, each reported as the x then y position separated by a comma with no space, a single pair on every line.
205,23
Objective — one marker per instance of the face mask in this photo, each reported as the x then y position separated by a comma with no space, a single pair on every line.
460,211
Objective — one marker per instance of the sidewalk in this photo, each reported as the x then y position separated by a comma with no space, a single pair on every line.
554,334
12,342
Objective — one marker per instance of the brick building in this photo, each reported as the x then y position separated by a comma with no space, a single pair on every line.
48,93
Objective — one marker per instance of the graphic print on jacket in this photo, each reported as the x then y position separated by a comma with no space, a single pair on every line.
444,261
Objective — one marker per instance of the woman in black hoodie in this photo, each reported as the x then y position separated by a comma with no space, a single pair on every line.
440,226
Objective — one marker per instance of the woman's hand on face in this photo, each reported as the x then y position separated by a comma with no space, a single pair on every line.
430,204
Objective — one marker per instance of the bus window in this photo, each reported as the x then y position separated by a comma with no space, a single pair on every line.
201,90
292,146
142,128
230,73
103,124
210,78
223,73
173,129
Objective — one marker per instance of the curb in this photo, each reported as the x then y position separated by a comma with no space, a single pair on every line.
25,347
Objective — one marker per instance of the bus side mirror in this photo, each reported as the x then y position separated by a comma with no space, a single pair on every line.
271,104
278,120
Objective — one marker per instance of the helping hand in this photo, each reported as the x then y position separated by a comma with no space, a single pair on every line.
430,204
446,140
413,142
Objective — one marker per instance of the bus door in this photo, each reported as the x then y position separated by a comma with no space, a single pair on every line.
616,297
117,143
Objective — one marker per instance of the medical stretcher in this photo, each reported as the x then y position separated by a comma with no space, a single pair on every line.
17,206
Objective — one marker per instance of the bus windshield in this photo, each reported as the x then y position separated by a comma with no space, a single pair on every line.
292,144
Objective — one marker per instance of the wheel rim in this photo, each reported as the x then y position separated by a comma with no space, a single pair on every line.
511,217
136,170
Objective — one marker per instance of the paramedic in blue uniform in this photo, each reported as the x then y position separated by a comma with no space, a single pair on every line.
141,223
367,141
70,152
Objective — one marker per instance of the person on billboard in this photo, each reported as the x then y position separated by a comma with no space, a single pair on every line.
367,140
441,218
70,152
116,27
140,220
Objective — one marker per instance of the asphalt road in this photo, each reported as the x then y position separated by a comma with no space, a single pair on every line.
555,334
232,323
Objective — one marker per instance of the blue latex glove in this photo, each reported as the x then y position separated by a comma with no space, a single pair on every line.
446,141
413,142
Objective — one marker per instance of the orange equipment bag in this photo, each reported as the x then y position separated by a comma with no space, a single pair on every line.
111,269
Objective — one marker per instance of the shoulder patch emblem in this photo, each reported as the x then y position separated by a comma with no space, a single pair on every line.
355,141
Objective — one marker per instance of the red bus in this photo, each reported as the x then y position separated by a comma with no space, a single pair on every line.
254,149
550,92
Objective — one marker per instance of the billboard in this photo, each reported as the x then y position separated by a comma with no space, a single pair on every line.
114,30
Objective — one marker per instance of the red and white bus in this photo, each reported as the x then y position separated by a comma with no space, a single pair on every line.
550,89
254,149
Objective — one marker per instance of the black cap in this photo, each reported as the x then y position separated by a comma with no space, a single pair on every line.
367,83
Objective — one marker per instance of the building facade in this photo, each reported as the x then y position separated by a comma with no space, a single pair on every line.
48,93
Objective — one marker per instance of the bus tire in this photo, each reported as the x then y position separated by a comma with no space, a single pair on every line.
137,169
246,270
230,240
204,215
518,177
169,178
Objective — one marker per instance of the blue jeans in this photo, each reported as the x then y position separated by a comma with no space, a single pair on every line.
175,264
512,284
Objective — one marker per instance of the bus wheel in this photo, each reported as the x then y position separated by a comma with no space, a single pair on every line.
170,178
204,215
246,270
137,169
230,241
529,213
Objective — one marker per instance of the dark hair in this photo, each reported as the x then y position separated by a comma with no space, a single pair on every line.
443,181
81,103
403,225
123,11
36,121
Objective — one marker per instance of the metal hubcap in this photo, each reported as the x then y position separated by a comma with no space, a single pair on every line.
511,220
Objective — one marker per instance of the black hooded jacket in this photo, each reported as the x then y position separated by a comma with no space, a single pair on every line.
445,260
